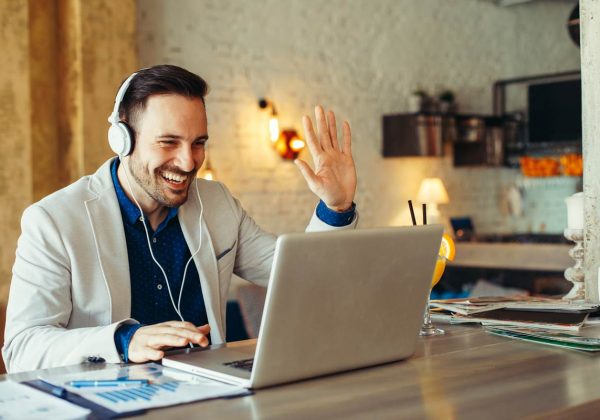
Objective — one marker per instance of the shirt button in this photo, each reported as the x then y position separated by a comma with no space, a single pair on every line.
141,219
154,240
159,287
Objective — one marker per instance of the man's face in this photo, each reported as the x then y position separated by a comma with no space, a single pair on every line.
169,147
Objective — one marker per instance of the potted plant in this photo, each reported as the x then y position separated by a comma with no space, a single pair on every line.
447,104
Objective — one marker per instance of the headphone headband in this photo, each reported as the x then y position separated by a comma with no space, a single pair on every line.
120,135
113,118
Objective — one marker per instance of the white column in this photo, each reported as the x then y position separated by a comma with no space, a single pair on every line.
590,74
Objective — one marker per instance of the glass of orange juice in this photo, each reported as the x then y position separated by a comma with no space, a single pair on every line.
446,253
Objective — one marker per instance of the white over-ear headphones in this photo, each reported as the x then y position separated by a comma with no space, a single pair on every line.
120,135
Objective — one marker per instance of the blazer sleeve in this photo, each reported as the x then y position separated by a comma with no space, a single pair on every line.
39,306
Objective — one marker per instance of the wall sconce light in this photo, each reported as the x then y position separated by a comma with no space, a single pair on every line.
273,119
287,142
289,145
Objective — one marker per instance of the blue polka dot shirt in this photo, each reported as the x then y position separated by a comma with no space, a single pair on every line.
150,300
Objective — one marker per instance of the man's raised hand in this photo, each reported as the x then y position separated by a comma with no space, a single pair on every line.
333,178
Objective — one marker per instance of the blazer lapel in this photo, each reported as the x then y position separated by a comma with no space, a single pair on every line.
109,236
206,263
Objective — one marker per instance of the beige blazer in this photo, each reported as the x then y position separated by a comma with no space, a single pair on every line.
70,289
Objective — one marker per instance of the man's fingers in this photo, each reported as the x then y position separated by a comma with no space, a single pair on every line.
159,341
306,171
193,335
322,128
332,129
311,138
178,324
171,334
204,329
347,138
144,354
151,354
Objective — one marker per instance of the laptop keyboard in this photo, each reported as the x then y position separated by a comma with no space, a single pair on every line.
245,364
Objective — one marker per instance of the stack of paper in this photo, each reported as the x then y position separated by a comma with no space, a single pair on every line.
533,313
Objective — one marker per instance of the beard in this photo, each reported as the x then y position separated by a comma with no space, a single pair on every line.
155,185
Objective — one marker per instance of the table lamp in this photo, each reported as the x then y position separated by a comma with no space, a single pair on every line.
432,192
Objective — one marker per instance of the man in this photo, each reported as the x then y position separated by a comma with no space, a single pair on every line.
139,256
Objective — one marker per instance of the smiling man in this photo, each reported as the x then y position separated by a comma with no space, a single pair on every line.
138,257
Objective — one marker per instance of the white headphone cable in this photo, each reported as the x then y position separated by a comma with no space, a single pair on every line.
143,219
197,250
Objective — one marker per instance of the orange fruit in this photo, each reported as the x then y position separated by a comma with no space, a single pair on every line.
438,271
446,253
447,248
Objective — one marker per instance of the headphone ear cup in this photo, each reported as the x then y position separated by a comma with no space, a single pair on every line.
129,138
120,139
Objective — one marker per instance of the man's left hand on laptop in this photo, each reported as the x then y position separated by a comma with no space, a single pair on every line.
149,342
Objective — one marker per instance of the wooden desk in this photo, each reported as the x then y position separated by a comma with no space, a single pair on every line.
464,374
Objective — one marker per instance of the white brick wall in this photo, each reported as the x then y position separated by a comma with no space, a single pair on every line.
362,59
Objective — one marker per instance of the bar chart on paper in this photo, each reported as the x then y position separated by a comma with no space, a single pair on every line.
143,393
166,386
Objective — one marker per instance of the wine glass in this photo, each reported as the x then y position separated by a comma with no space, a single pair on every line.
446,252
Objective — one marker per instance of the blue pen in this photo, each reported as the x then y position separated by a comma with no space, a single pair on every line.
55,390
113,382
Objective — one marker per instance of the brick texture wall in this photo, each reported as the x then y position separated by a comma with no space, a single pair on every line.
362,59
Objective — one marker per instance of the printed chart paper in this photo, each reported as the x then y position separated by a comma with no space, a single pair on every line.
166,387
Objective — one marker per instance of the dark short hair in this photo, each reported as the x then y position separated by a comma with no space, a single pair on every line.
159,80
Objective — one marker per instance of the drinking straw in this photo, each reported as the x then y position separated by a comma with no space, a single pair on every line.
412,213
424,214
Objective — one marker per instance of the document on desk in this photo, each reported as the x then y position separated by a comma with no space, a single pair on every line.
166,386
471,306
18,401
588,339
528,312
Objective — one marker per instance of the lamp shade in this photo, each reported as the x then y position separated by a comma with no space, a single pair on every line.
432,191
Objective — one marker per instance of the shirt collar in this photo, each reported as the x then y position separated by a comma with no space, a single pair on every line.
131,213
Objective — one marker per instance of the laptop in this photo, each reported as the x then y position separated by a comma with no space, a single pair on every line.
336,301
